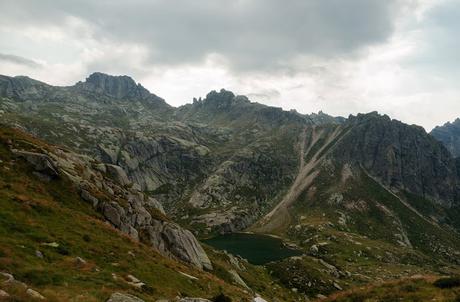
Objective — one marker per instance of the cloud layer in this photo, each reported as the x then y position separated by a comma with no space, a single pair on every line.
341,56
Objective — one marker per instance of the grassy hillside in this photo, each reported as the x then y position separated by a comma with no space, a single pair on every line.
420,288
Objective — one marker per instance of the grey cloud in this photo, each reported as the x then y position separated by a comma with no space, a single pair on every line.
439,48
19,60
265,94
252,35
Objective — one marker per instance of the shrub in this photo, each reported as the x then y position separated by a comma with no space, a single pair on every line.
147,289
410,288
221,298
448,282
357,297
40,278
63,250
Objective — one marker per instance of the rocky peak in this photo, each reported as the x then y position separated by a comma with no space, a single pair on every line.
401,156
371,116
449,135
321,118
22,87
222,99
119,87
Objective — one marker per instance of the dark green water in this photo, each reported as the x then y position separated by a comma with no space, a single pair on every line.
257,249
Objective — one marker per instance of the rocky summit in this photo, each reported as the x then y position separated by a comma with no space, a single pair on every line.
449,134
108,193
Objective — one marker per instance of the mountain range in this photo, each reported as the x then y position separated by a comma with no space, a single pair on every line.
364,198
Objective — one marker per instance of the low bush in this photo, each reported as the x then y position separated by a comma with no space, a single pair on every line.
40,278
448,282
221,298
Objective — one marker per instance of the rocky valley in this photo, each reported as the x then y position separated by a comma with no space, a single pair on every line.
107,193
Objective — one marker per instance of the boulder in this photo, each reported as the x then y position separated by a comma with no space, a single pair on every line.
113,213
42,163
4,294
80,262
173,241
86,196
8,277
118,174
39,254
237,279
314,249
154,203
34,294
118,297
168,238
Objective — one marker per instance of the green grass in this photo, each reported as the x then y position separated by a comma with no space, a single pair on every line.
408,290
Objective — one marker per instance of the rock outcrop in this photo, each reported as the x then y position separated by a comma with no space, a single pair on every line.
119,87
126,208
174,241
118,174
41,163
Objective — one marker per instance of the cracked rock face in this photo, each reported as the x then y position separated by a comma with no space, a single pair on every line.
400,156
41,163
176,242
127,209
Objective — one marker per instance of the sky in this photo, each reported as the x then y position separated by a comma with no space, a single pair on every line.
398,57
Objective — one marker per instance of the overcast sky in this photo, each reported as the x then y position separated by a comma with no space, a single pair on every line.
399,57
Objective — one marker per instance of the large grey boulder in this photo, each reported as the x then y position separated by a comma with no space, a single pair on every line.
118,174
174,241
86,196
42,163
113,212
168,238
154,203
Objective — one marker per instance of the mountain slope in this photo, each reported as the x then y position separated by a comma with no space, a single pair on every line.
57,242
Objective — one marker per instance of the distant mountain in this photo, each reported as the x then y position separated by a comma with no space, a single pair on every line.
449,135
225,108
403,157
98,87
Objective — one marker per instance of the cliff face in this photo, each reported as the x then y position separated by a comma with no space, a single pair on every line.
449,135
402,157
21,88
98,88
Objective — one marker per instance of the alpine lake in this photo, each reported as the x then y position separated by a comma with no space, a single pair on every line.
257,249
